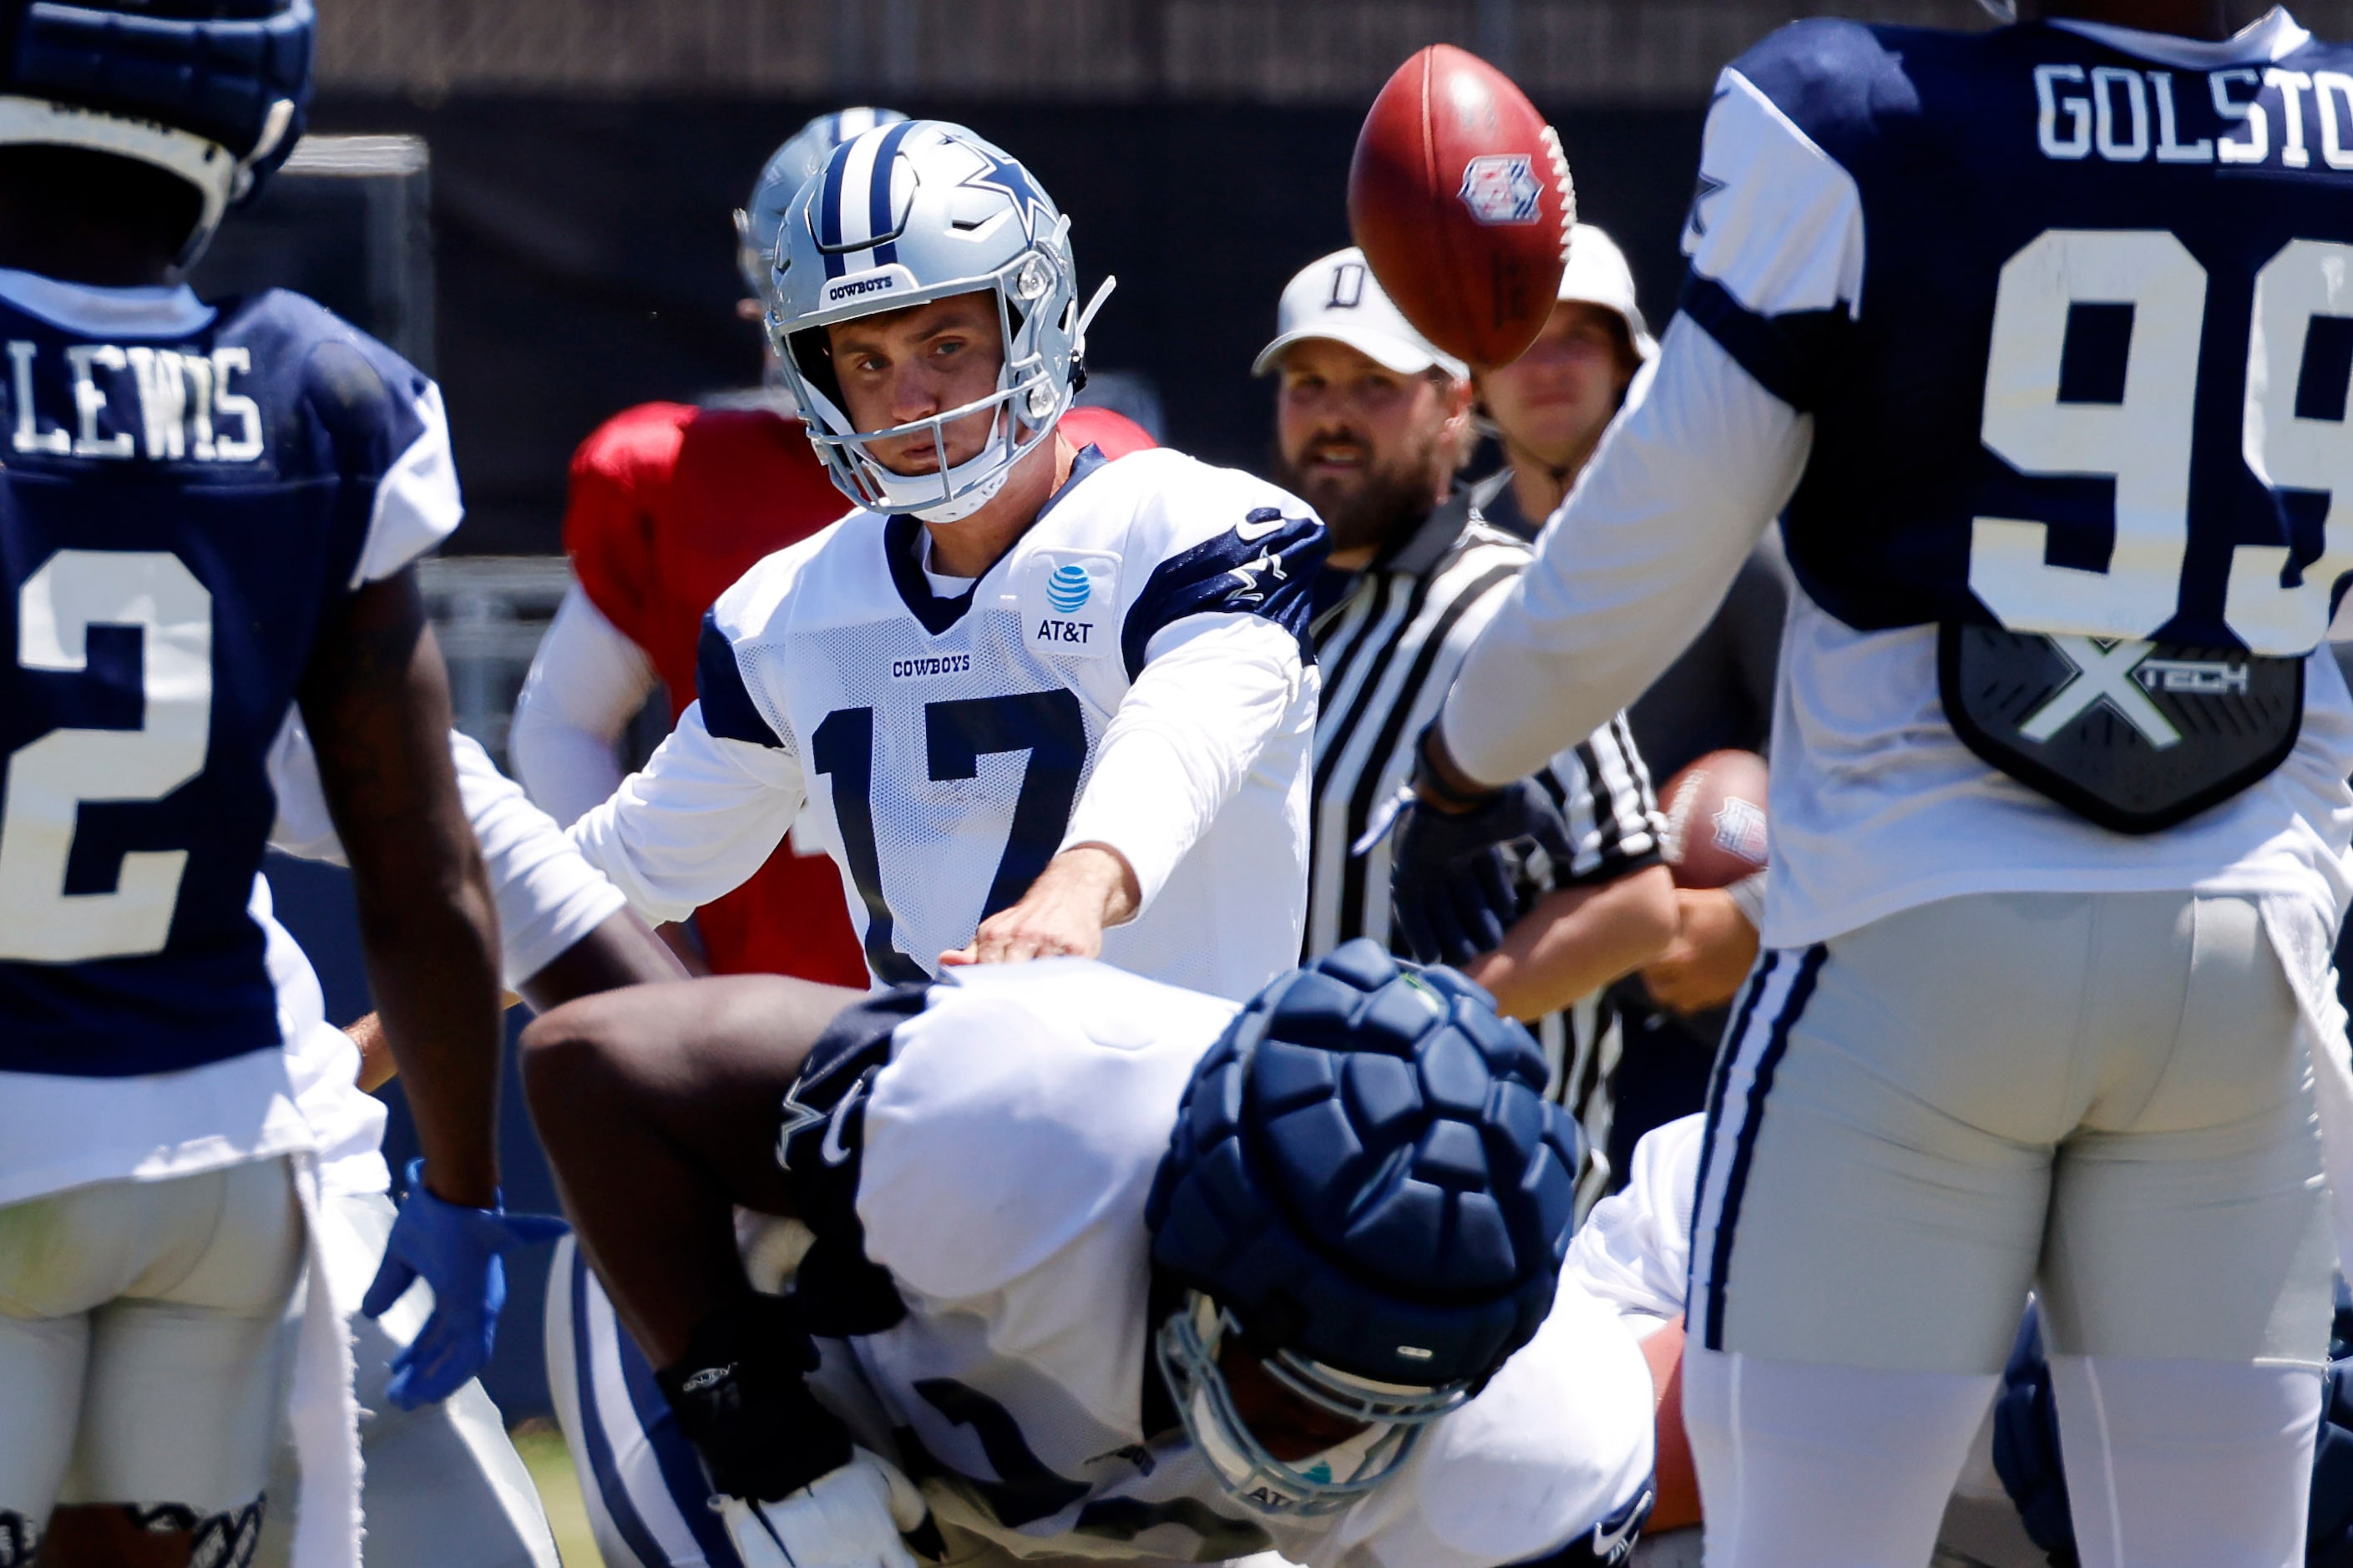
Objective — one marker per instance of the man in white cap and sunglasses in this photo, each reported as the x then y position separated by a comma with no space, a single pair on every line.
1371,423
1035,703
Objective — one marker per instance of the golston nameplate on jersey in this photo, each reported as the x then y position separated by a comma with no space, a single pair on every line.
2135,736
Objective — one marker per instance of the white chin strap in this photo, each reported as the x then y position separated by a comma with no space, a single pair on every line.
218,174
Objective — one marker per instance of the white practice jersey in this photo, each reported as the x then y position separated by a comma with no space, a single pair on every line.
987,1161
1994,403
548,899
1132,673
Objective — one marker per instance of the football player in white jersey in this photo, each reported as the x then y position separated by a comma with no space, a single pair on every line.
1035,703
2060,812
1106,1270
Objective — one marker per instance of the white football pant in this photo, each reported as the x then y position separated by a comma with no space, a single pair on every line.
143,1356
2104,1097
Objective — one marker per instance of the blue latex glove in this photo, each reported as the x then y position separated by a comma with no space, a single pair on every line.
1451,889
459,1252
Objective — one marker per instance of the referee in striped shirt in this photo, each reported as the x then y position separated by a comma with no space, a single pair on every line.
1371,424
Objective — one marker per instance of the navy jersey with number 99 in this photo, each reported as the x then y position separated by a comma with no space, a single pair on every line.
2076,326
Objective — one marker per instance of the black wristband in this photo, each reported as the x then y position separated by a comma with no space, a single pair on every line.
742,1398
1429,782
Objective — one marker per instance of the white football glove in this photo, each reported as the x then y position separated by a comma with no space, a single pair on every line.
848,1517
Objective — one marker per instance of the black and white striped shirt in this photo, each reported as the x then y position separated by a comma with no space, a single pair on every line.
1388,650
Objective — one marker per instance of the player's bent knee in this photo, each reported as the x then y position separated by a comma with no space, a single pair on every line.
571,1057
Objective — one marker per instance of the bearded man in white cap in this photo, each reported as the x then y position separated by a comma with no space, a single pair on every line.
1372,423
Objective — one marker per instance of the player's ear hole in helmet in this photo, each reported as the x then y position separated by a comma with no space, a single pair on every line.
211,92
904,214
1367,1192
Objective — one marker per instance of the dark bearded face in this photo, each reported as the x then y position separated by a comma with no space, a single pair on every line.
1370,449
1363,498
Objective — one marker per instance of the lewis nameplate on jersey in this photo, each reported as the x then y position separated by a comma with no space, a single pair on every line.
2135,736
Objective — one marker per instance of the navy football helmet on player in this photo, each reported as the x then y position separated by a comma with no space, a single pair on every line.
902,216
1368,1187
212,90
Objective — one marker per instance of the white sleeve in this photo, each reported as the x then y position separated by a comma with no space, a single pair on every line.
548,895
586,682
417,502
1213,691
705,814
1632,566
1748,895
1711,443
1633,1250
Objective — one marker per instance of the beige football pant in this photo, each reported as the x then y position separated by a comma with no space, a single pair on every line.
2101,1097
141,1360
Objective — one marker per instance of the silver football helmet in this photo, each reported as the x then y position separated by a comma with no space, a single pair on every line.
788,168
2004,11
902,216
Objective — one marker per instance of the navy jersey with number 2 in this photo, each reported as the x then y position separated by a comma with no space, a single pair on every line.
188,495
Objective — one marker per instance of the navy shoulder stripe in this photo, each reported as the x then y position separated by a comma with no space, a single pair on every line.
1265,566
1795,356
728,711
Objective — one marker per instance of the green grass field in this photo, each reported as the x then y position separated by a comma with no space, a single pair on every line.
542,1447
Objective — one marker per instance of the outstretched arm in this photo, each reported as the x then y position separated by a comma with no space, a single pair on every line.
704,815
1631,568
1215,692
1574,940
619,952
376,702
563,932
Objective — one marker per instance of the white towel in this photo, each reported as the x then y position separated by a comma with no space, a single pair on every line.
324,1412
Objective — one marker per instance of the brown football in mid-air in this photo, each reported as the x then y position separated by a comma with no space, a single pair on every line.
1716,819
1460,197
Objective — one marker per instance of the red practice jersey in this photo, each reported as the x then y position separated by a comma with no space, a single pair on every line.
669,505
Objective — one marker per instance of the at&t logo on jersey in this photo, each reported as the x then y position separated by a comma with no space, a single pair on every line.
1067,590
1069,602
